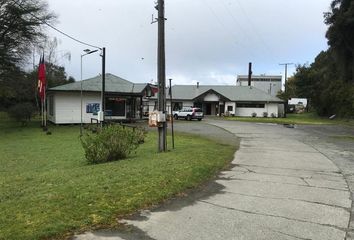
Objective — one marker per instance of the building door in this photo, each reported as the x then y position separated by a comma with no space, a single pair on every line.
208,109
222,109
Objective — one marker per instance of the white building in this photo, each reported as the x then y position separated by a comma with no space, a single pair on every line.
123,100
218,100
269,84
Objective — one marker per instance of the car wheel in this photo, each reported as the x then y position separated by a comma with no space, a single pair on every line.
199,119
189,118
175,116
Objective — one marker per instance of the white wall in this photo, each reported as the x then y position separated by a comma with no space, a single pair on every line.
211,97
184,103
67,107
297,100
233,104
247,112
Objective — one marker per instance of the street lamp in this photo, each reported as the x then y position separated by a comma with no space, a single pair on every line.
87,52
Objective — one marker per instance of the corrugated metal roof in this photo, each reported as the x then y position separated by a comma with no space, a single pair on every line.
113,84
234,93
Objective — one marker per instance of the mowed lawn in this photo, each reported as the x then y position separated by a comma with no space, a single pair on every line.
47,189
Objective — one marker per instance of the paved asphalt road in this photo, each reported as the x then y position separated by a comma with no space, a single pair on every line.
286,183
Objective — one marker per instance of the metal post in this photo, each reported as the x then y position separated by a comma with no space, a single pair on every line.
88,51
103,83
172,131
285,88
161,74
81,98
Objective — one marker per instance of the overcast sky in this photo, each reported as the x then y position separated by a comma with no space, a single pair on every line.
207,41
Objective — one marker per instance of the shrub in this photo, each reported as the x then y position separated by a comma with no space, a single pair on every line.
254,114
265,114
273,115
22,112
112,143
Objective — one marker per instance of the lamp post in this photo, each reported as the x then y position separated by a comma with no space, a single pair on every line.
285,87
103,108
87,52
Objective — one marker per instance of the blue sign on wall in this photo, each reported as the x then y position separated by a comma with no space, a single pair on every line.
93,108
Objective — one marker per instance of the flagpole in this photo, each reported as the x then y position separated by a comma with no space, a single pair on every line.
42,115
45,108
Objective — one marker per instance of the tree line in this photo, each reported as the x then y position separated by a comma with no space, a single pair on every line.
328,83
22,38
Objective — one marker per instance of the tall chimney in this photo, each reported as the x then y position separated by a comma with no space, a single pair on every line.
249,73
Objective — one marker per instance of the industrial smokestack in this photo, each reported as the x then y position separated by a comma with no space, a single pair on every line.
249,73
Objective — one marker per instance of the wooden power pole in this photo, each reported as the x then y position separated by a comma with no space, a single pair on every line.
161,75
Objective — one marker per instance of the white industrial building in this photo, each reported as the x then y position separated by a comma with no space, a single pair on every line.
269,84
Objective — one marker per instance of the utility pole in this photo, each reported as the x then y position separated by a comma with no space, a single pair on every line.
161,74
285,88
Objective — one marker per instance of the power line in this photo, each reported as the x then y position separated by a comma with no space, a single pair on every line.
254,28
56,29
223,25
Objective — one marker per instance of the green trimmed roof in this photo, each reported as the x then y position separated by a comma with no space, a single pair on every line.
113,84
233,93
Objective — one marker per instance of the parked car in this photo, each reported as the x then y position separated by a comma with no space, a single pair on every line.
189,113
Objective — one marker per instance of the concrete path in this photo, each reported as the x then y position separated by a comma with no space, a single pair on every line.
279,188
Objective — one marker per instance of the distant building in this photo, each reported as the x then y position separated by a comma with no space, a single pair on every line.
298,101
219,100
269,84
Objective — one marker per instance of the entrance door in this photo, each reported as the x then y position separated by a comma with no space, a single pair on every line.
222,109
208,109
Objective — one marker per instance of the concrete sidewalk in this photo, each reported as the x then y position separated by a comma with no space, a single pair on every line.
279,188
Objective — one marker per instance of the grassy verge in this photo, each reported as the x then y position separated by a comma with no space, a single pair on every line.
304,118
47,189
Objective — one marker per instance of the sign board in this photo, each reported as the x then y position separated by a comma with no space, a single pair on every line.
153,119
156,118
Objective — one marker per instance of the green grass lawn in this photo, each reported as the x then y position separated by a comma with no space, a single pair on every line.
304,118
47,189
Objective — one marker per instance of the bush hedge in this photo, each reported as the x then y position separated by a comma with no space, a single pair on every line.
112,143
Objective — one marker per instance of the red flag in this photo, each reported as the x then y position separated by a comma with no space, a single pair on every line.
41,79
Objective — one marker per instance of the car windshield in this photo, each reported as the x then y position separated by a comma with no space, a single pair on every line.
198,110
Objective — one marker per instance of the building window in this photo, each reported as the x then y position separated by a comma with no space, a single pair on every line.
230,108
116,106
250,105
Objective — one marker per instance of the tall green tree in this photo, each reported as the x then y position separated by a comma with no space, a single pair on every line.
22,23
22,27
329,82
340,35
